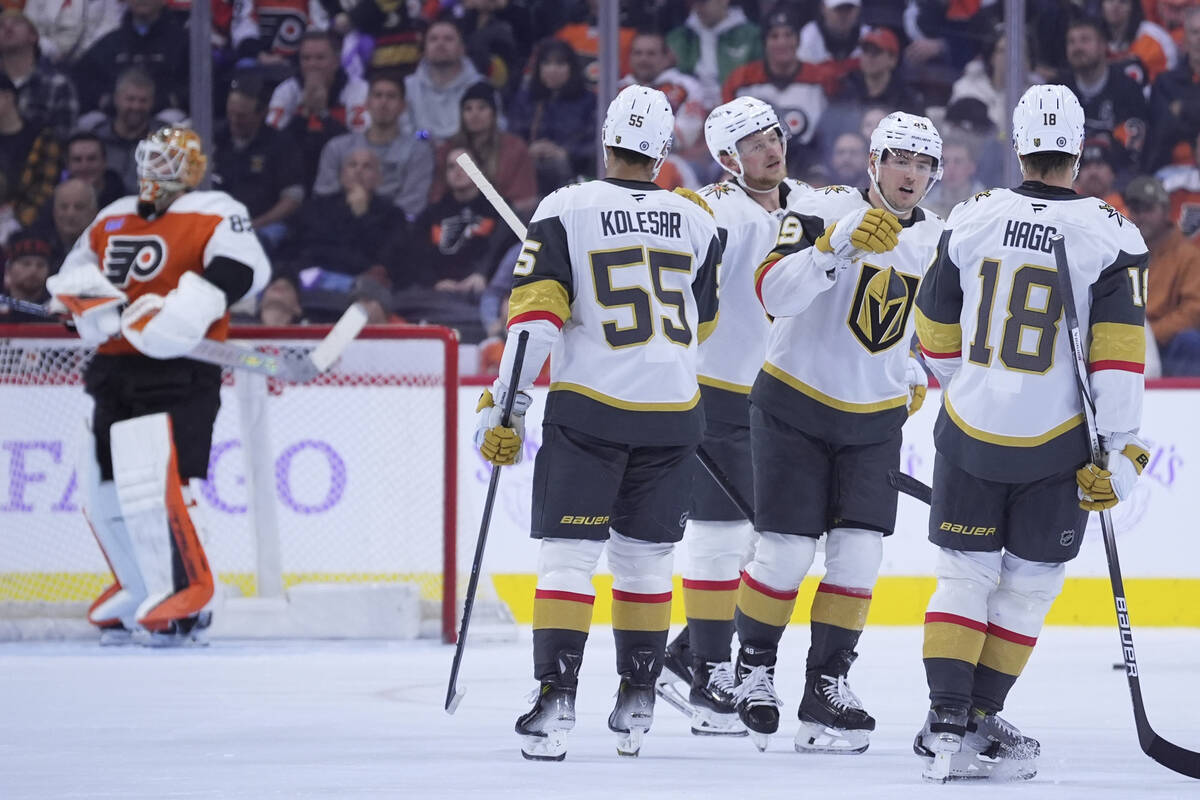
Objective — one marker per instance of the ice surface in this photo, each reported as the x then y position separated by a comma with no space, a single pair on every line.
350,720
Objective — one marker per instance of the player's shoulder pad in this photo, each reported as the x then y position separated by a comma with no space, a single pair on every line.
562,198
214,202
830,203
119,207
720,192
980,204
688,194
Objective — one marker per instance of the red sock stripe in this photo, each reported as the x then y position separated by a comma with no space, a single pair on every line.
932,354
712,586
529,316
551,594
762,588
1011,636
1124,366
848,591
634,597
955,619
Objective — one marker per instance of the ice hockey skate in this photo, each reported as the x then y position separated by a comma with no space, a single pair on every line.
187,632
832,718
1000,748
543,730
940,746
714,712
634,712
757,704
675,681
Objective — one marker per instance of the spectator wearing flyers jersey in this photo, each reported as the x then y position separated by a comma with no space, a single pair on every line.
1182,184
650,65
798,91
1141,48
322,92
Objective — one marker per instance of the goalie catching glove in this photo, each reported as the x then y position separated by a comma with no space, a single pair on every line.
502,446
862,231
172,326
93,303
1101,489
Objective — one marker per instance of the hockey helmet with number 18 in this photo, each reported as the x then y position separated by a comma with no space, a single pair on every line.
169,161
640,119
1048,119
728,124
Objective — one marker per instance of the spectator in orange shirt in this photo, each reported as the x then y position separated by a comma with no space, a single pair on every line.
1141,48
1182,182
1173,294
584,38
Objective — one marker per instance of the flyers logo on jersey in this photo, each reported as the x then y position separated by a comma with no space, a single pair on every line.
882,302
137,258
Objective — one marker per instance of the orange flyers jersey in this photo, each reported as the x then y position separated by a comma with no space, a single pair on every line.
141,256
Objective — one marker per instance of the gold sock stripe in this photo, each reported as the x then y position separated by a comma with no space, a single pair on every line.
712,600
562,610
641,612
952,636
840,609
1006,651
763,604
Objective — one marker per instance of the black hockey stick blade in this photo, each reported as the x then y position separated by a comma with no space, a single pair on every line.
454,694
907,484
27,307
721,479
1171,756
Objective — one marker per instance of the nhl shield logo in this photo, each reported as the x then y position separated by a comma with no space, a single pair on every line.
1067,537
882,302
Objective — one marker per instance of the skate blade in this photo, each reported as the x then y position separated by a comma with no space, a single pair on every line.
706,722
195,638
761,740
629,743
938,769
115,637
668,690
550,747
1003,769
816,738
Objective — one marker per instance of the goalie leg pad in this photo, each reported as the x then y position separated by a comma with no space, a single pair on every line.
177,576
119,602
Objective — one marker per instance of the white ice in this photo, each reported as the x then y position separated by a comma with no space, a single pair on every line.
351,720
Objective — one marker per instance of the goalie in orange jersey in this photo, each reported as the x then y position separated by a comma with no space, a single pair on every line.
178,258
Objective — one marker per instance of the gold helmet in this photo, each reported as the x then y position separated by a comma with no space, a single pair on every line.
169,161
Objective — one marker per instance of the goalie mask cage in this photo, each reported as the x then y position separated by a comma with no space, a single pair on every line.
329,508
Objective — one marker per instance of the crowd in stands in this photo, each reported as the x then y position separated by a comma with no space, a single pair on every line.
339,121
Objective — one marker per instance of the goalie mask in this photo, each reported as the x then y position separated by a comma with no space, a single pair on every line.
640,119
170,161
728,124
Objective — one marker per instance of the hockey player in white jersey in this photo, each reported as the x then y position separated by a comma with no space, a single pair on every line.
826,411
1012,450
617,282
745,138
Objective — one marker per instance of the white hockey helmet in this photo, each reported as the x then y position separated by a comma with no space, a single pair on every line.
728,124
640,119
901,131
1047,119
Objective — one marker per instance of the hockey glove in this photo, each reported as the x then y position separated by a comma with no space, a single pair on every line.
93,303
1100,488
171,326
918,384
865,230
500,445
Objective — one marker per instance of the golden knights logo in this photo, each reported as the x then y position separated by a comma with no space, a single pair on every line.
1112,212
718,189
836,189
882,302
980,195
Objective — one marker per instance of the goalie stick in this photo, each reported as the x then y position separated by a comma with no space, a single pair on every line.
224,354
1171,756
454,695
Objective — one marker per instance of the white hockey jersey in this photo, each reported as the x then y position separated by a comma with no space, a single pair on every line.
838,349
731,358
990,321
628,272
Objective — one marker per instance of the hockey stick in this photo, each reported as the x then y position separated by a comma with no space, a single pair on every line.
224,354
907,484
1171,756
721,479
454,695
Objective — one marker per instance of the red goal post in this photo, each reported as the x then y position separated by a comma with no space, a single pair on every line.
341,507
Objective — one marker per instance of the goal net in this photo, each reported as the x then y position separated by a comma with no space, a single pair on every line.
328,509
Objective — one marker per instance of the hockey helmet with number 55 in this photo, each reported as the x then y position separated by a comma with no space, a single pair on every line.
640,119
728,124
169,161
1048,119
